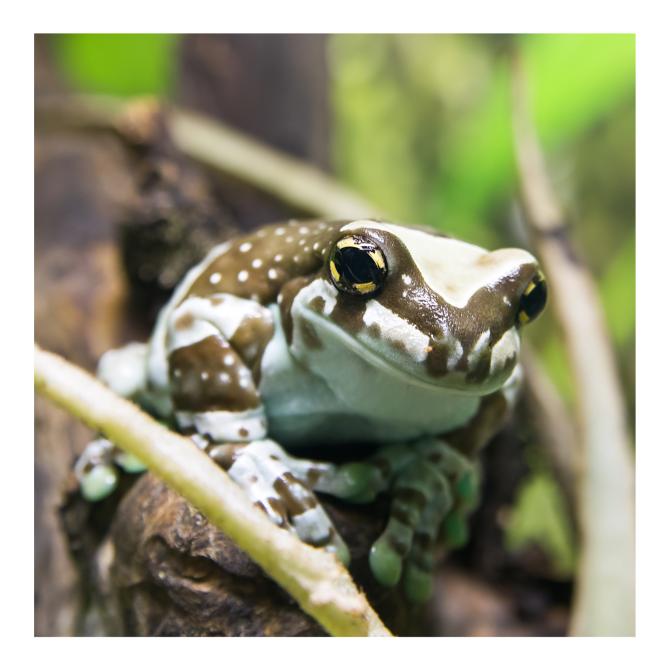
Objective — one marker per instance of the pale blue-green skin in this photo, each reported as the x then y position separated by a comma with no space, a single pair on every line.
347,390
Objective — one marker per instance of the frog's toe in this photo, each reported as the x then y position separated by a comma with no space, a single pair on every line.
98,482
455,530
385,562
95,470
417,583
357,482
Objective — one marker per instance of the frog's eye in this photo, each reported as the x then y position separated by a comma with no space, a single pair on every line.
357,266
533,300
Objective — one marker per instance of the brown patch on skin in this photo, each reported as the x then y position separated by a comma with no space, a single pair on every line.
398,345
410,497
482,427
296,502
223,454
243,432
264,282
196,382
375,331
288,294
309,335
348,312
251,338
317,304
184,322
481,370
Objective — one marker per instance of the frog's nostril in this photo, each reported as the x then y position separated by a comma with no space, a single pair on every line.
533,299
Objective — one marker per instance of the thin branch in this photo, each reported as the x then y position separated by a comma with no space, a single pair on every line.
318,582
554,426
218,146
605,598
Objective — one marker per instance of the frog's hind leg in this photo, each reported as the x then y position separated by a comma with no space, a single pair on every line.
279,484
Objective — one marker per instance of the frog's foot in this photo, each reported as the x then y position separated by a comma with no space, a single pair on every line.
277,484
97,471
421,497
363,481
433,487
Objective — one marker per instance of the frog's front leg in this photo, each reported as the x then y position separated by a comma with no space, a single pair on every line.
214,346
430,484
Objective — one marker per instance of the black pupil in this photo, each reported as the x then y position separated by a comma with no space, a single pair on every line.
356,267
533,303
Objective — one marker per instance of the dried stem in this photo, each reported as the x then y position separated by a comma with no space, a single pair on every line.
218,146
318,582
605,598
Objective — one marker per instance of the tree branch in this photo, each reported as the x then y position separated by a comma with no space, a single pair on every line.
218,146
605,598
318,582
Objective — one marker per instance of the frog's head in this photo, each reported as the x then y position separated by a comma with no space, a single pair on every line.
433,309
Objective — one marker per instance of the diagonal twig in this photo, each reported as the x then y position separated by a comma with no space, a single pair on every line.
318,582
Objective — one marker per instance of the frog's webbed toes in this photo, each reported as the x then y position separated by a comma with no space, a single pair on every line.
97,469
274,481
410,497
421,497
362,481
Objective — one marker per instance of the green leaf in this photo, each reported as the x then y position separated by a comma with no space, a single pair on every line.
124,65
539,517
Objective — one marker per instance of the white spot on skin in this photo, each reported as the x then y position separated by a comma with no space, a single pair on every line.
215,278
407,280
177,373
296,259
280,299
289,240
204,375
280,231
315,246
256,263
229,359
244,247
301,242
242,276
224,377
278,258
272,273
507,301
303,230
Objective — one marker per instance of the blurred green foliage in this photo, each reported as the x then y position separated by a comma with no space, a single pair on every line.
125,65
422,127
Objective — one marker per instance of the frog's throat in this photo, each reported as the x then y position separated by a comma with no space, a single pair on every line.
380,363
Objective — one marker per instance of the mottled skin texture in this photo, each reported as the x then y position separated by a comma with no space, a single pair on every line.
340,333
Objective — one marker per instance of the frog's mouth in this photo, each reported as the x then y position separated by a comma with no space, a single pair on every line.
391,362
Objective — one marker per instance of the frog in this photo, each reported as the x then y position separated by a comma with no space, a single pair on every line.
397,340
